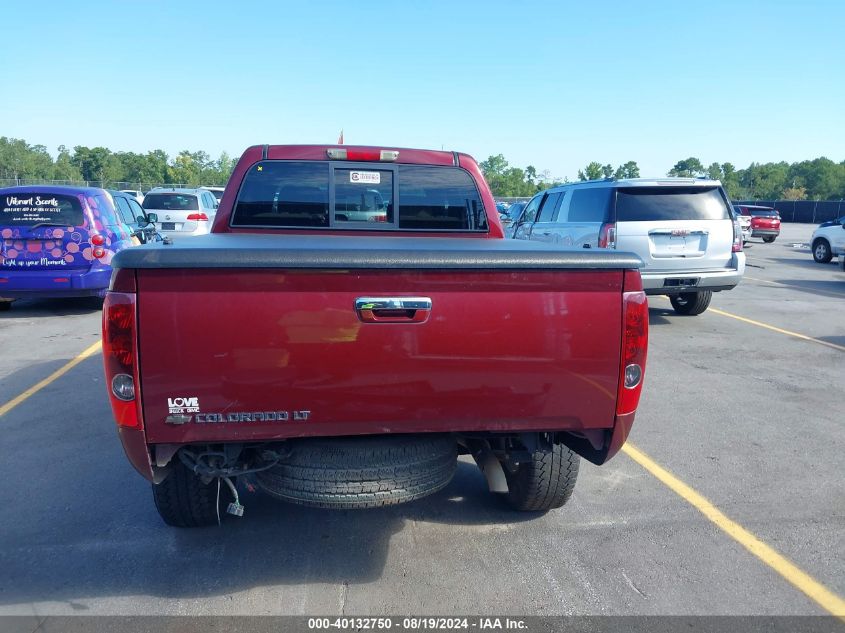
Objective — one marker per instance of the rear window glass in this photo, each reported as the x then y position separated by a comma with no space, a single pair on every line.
171,202
590,205
764,213
439,198
297,194
363,195
33,209
284,194
645,204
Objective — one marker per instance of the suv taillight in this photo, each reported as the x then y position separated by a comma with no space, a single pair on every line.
607,235
120,358
634,349
737,245
198,216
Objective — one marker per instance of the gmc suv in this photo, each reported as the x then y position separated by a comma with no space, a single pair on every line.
682,229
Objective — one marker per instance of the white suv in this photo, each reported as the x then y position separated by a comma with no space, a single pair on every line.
181,212
682,228
828,240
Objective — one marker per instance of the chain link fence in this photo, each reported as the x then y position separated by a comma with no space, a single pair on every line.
808,211
133,186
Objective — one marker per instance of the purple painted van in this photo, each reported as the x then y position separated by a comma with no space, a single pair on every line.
59,241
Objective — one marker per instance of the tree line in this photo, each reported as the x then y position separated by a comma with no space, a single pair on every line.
19,160
817,179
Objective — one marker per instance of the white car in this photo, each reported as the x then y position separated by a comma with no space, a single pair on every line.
138,195
828,240
181,212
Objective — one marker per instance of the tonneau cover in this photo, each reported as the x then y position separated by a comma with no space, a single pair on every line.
232,250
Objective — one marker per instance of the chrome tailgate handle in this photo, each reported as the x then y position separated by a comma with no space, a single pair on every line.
393,309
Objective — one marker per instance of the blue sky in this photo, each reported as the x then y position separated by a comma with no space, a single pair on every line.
553,84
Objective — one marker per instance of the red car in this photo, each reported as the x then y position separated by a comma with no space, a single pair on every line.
342,361
765,221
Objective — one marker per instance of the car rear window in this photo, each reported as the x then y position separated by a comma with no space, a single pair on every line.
33,209
295,194
171,202
764,213
648,204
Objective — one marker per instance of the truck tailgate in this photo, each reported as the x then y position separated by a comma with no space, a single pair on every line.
239,353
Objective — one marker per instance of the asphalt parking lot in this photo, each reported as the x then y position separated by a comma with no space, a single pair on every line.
749,417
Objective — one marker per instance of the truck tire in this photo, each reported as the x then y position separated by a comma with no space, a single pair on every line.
183,500
5,304
821,251
544,483
691,303
362,472
768,239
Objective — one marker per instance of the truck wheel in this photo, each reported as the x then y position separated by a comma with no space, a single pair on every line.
544,483
769,238
183,500
821,251
691,303
5,304
362,472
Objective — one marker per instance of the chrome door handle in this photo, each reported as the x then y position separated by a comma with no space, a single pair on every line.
393,309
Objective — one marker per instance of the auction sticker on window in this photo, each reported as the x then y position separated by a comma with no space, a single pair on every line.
365,177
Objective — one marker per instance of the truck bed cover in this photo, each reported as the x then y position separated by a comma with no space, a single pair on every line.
352,252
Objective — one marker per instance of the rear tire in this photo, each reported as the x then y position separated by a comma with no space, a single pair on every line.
362,472
821,251
5,305
183,500
691,303
769,238
544,483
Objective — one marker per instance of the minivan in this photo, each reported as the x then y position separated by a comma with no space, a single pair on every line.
682,229
58,241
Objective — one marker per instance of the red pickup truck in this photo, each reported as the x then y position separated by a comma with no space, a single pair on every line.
354,321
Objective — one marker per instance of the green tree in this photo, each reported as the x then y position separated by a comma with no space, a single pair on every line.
628,170
689,168
593,171
64,169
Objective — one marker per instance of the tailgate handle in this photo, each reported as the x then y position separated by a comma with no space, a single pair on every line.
393,309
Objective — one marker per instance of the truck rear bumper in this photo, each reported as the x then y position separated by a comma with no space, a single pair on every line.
19,284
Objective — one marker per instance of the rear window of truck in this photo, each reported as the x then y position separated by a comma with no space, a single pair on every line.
648,204
33,209
291,194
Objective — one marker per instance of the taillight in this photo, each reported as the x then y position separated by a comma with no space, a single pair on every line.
378,218
634,348
384,155
737,245
120,358
200,217
98,240
607,235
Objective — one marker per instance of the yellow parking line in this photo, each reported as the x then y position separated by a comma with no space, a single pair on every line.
61,371
838,295
777,329
798,578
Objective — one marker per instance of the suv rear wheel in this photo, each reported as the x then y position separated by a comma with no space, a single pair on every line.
821,251
545,482
691,303
769,238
